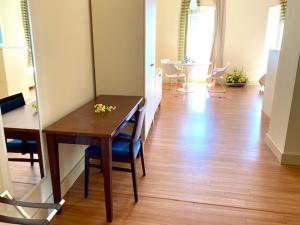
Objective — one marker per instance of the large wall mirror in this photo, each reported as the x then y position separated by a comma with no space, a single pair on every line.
18,98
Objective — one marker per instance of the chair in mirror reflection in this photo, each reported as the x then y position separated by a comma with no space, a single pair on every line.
26,143
18,102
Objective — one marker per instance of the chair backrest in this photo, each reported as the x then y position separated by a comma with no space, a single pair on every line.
139,121
12,102
169,68
226,66
220,71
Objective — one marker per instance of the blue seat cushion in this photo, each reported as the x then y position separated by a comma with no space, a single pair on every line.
17,144
119,148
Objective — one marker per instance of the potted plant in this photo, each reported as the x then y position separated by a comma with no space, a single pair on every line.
237,78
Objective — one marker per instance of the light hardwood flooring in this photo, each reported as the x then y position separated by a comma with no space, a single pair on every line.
23,176
207,164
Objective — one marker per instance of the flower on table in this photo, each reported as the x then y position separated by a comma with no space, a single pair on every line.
34,106
104,108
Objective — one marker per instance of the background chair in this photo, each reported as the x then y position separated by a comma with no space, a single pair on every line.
125,149
15,145
171,71
12,102
217,75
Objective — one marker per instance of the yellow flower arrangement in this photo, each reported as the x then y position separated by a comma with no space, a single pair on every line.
99,108
237,76
34,106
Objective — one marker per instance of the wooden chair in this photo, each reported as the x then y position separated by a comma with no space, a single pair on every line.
15,145
125,148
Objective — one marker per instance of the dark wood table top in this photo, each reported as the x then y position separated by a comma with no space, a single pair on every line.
22,118
84,121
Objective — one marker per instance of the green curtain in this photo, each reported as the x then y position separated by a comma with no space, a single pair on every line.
283,5
25,18
183,26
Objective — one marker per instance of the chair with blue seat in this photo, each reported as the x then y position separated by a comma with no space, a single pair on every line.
125,149
23,147
7,105
11,102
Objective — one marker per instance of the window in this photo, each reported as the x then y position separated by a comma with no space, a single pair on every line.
200,33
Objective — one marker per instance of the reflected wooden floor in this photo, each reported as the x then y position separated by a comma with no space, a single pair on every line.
24,177
207,163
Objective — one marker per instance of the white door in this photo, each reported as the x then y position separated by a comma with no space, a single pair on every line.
150,20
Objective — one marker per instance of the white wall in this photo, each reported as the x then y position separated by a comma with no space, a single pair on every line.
292,150
3,83
285,88
14,49
122,54
11,23
167,29
270,81
119,46
61,36
246,24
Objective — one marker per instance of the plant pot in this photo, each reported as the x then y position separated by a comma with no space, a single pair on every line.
236,84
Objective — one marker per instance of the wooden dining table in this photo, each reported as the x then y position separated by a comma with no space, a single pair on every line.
23,123
86,127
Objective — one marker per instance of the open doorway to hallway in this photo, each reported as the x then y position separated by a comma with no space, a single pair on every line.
241,41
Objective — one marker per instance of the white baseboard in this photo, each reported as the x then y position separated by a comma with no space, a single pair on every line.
70,179
274,148
283,158
66,185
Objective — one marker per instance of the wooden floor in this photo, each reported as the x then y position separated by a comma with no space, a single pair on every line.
207,164
24,176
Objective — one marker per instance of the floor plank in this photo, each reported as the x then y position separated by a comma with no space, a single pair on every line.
23,176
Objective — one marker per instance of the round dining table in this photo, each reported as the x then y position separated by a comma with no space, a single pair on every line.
187,69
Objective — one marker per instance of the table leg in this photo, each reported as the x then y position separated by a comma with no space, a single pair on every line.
54,166
107,173
187,80
187,86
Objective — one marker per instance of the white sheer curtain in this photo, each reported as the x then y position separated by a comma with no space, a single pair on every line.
200,33
200,37
218,46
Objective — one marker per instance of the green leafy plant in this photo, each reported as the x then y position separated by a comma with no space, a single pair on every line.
238,75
